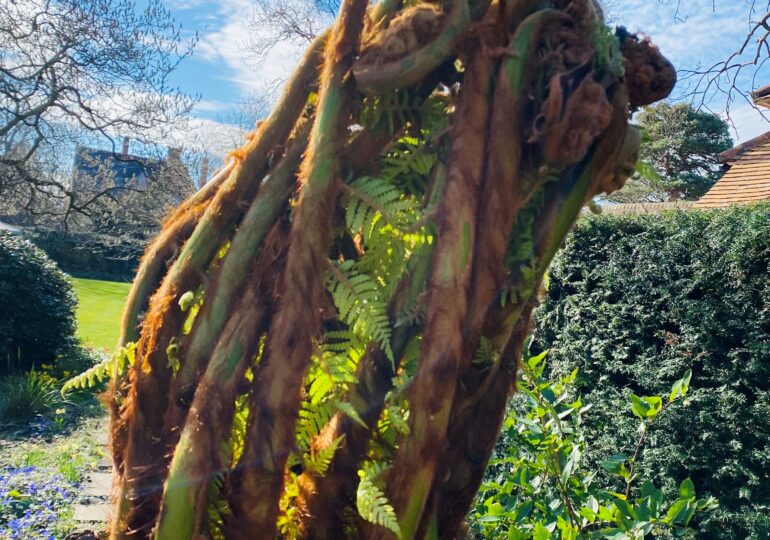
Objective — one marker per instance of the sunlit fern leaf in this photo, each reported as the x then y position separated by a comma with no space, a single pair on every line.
371,199
311,420
288,519
372,504
330,375
386,251
318,462
360,304
112,366
238,430
393,425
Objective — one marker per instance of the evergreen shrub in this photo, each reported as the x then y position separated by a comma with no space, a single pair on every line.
37,308
635,301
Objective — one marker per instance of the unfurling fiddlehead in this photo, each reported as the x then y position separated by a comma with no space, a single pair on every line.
326,335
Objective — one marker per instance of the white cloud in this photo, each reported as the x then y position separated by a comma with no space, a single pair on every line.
702,32
183,5
229,44
211,106
746,122
210,136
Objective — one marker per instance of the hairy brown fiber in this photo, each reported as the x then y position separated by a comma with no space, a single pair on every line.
210,418
477,414
412,28
416,461
650,76
275,396
144,459
327,334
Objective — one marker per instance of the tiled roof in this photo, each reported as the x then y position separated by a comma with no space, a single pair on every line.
110,168
643,208
747,180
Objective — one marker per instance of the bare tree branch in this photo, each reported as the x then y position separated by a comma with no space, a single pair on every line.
70,68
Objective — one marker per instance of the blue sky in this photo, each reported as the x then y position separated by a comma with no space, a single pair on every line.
223,73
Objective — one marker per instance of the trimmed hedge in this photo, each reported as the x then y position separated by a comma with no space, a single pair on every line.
92,255
634,302
37,307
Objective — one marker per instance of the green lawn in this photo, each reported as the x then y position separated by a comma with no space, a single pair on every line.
100,305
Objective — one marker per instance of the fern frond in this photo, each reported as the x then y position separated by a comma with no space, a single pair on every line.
112,367
360,304
371,199
349,410
318,462
401,106
372,504
412,314
288,519
217,508
485,353
408,164
312,418
330,375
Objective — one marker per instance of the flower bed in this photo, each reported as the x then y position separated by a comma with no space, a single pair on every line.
35,503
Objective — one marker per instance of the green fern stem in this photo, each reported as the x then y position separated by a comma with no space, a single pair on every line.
158,254
413,68
367,396
183,509
270,435
262,214
144,459
430,404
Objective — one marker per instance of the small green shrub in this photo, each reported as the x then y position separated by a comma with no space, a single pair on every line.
540,485
635,301
37,307
76,359
23,396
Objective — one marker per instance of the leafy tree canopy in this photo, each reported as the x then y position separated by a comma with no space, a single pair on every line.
679,155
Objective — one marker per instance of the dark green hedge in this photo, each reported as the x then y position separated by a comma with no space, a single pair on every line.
633,302
37,307
96,256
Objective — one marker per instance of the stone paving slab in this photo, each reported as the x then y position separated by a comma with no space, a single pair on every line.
97,488
92,513
99,485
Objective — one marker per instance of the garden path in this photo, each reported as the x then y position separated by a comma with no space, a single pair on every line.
94,510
